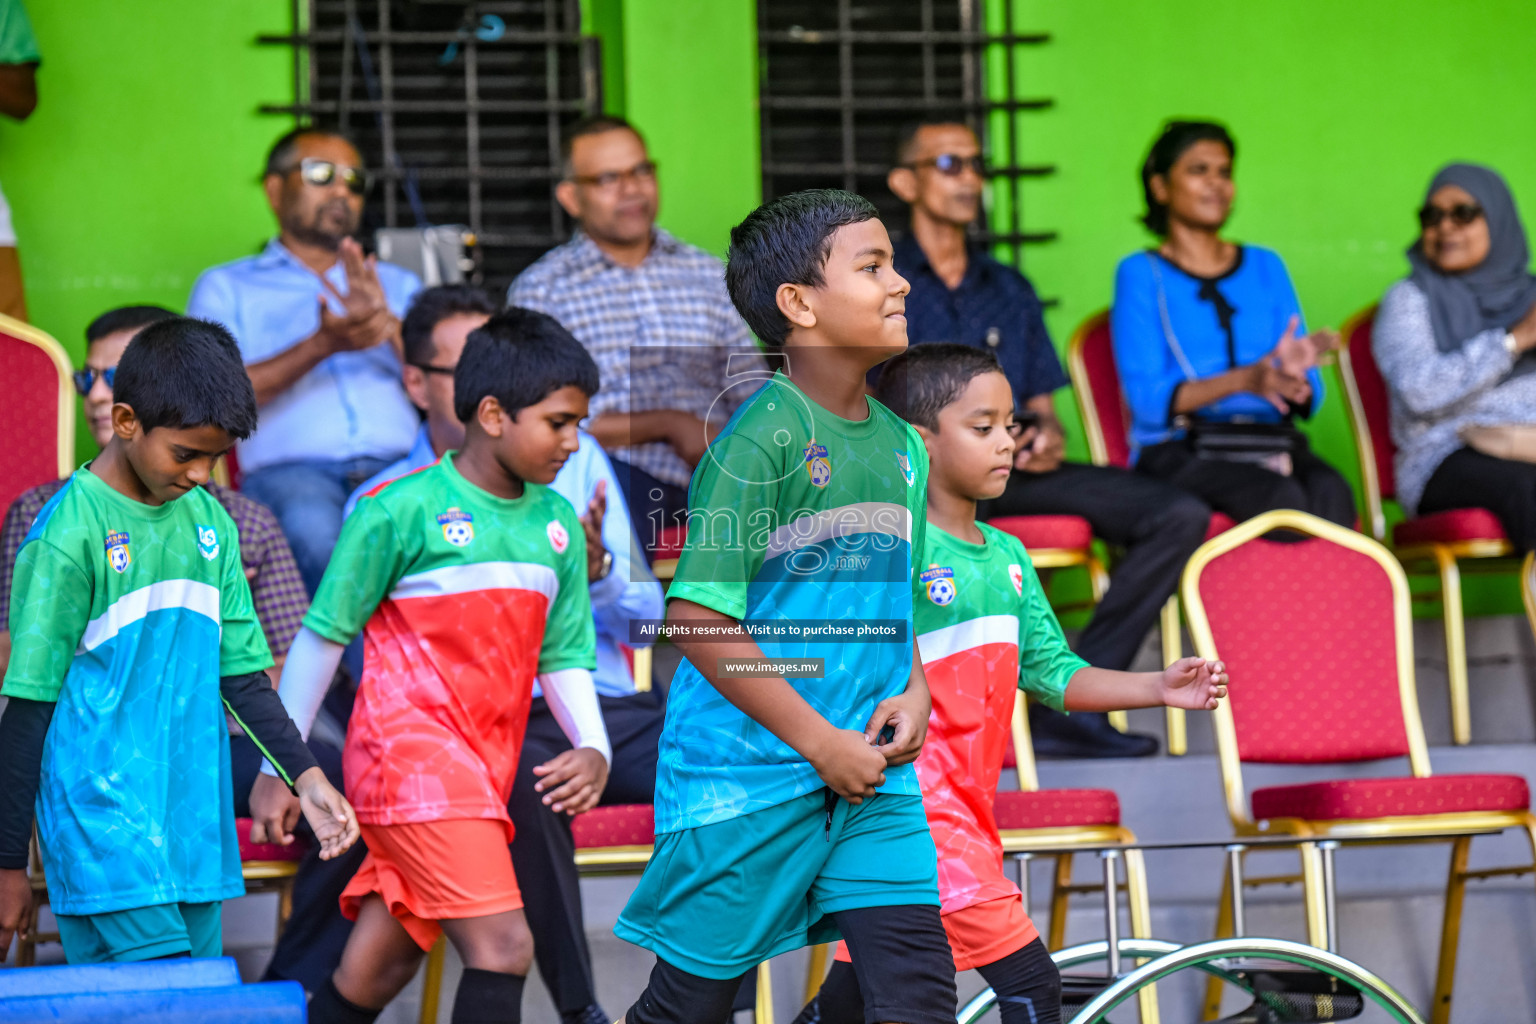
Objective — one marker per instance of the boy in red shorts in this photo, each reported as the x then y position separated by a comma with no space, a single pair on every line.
984,631
468,580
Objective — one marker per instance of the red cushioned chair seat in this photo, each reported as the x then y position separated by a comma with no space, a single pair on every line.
1446,527
1220,523
1046,531
1390,798
618,825
1056,808
266,851
670,543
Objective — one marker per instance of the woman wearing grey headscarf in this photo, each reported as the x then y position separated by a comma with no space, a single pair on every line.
1454,342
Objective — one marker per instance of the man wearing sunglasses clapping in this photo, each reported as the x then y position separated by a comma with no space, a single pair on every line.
318,324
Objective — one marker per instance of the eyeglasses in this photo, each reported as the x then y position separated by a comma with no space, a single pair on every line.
645,170
953,166
1461,214
86,379
429,368
319,172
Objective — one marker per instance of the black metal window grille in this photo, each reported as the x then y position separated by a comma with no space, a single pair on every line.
838,78
457,107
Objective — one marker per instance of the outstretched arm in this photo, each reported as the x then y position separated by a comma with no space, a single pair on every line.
1190,683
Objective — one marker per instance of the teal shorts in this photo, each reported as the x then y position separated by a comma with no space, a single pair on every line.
719,899
143,933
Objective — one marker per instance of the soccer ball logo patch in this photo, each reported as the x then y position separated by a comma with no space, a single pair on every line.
817,464
1016,574
458,527
118,555
207,542
939,582
558,538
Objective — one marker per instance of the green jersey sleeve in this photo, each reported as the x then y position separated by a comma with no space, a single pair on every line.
569,637
1046,663
50,608
368,561
732,512
242,645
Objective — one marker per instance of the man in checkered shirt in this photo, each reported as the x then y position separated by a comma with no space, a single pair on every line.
310,947
637,298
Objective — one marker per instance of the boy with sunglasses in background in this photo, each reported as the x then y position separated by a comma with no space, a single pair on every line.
319,328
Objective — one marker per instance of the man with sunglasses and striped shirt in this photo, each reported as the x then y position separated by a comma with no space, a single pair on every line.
318,324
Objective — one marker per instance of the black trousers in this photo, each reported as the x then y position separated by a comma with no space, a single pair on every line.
653,504
1243,490
309,949
543,852
1158,526
1506,487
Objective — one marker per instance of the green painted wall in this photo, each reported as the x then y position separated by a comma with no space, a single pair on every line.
690,85
1341,112
140,166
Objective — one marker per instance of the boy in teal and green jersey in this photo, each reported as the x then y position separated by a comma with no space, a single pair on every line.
984,632
132,634
787,808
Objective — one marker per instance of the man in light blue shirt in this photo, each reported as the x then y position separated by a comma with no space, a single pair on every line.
318,326
622,589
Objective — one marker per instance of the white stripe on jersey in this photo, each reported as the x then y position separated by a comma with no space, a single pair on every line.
939,644
466,579
200,598
883,517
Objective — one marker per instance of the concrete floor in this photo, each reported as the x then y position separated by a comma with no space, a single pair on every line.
1389,896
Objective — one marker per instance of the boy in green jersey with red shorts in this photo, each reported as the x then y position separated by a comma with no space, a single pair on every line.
984,632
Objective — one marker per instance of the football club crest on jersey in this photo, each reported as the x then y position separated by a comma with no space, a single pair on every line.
817,464
907,472
1016,574
558,538
207,542
458,527
118,555
939,581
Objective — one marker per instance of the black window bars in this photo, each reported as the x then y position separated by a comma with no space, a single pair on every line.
457,108
839,77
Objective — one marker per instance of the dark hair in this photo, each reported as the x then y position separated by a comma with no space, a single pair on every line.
906,135
1177,138
786,241
182,372
124,318
280,156
597,124
519,357
432,306
921,381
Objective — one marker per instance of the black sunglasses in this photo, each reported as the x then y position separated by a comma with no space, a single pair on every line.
319,172
86,379
953,166
1461,214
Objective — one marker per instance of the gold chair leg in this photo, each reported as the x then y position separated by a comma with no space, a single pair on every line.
1455,646
432,983
643,656
816,969
1450,932
1213,984
1141,925
284,906
762,1011
1313,896
1173,650
1120,720
1097,578
1528,588
1058,932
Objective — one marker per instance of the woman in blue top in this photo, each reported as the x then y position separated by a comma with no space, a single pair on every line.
1213,356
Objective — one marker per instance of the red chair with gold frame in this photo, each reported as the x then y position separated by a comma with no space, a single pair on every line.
1107,428
1317,640
37,410
1442,539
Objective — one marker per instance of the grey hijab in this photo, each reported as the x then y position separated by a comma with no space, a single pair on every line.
1497,292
